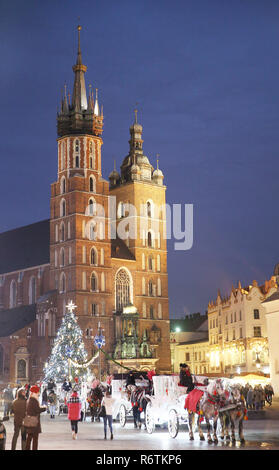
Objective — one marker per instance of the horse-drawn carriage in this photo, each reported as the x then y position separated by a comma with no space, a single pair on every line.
166,406
121,393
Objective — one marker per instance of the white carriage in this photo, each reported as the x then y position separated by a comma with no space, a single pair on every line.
122,407
166,406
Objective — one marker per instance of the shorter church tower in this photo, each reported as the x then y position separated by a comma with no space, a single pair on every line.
141,221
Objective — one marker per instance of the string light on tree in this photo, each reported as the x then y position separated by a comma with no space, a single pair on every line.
68,349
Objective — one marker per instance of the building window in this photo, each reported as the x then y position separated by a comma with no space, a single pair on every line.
93,282
149,209
62,257
92,231
32,290
121,210
13,294
62,232
92,186
257,331
150,263
122,289
151,311
92,207
91,156
150,288
63,208
94,257
149,240
160,315
62,283
94,309
63,185
256,314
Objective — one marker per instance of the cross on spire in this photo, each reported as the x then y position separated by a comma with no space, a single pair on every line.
157,158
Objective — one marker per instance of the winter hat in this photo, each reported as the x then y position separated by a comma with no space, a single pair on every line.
35,389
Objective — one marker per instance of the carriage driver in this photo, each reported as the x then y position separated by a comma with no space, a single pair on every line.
185,377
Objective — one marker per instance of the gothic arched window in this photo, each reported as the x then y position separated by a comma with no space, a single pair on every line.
94,256
149,209
149,239
122,289
92,184
62,283
92,207
93,282
63,208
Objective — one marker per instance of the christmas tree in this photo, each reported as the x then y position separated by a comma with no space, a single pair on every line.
68,356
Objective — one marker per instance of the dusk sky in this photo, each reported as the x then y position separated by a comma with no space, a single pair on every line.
205,75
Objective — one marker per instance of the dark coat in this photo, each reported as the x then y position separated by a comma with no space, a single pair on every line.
186,381
33,409
19,410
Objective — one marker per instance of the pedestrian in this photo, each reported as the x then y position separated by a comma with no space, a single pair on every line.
257,397
44,397
8,400
136,397
268,393
74,412
27,390
52,403
33,409
19,411
249,398
107,403
262,397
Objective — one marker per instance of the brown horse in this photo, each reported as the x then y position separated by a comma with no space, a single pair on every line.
207,408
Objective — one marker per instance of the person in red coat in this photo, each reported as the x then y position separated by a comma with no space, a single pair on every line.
74,411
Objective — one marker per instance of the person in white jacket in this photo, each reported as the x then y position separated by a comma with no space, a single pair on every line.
107,402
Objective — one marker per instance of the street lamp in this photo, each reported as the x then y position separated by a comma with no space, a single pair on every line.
99,341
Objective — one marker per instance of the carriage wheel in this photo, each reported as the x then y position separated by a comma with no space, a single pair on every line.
122,416
149,419
173,423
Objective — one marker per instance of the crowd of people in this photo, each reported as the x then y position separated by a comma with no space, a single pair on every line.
258,396
26,403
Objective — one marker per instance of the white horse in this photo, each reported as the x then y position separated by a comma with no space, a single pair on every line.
233,411
207,408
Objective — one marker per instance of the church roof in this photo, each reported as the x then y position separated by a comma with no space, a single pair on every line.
120,250
24,247
187,324
15,319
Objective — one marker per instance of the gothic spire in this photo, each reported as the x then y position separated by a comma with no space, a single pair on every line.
79,102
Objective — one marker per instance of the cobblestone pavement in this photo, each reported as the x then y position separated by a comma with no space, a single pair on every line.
261,432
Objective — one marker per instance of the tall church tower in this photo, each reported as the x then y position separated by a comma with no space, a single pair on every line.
80,251
141,220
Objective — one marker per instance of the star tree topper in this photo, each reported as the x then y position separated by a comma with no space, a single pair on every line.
71,306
